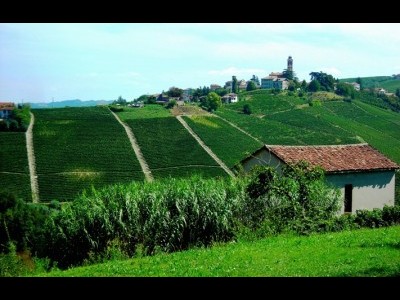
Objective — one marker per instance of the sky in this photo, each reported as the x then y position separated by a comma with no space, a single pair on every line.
40,62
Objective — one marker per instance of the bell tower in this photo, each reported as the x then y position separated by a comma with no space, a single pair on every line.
290,64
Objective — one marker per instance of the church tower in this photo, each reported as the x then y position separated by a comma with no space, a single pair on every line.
290,64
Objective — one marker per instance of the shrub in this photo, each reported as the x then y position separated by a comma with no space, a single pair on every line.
170,104
247,109
298,200
166,215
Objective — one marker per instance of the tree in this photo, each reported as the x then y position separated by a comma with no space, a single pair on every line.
303,85
398,92
344,89
212,101
255,80
171,104
314,86
247,109
221,92
251,86
326,81
120,101
235,86
289,75
175,92
359,81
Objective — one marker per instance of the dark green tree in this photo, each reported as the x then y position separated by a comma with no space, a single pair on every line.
344,89
360,82
326,81
255,79
235,86
398,92
221,92
247,109
175,92
314,86
251,86
303,85
120,101
212,101
289,75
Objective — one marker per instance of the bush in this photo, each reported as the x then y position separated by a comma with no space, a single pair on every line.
116,108
247,109
10,263
298,200
170,104
167,215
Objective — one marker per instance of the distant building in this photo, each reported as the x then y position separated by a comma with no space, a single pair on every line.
242,84
274,82
214,87
230,98
290,64
356,85
6,109
187,94
228,85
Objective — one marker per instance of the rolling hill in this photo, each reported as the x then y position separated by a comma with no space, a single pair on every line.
77,148
389,83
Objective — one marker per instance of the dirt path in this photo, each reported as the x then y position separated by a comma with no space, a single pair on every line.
136,148
240,129
31,161
208,150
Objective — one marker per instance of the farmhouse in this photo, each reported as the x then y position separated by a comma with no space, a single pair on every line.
6,109
365,177
230,98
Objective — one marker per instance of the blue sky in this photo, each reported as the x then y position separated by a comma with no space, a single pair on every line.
102,61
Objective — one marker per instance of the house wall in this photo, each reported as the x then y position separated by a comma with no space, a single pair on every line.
263,158
370,189
267,84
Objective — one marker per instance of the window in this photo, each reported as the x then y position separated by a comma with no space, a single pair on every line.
348,198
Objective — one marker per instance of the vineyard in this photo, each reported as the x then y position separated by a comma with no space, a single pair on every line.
227,142
76,148
167,147
14,171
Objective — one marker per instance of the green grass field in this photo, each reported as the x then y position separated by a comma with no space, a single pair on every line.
167,146
14,170
363,252
76,148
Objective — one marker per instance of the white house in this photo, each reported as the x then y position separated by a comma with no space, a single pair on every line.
365,177
230,98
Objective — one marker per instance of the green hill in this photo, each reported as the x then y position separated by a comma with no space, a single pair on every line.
389,83
77,148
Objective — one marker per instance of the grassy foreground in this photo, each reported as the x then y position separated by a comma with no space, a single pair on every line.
364,252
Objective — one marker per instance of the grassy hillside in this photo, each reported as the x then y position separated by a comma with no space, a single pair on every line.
284,120
166,145
364,252
79,147
227,142
333,122
387,82
14,170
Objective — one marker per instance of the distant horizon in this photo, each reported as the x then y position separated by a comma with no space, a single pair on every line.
98,61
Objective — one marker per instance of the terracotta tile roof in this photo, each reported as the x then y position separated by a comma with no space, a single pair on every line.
336,158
